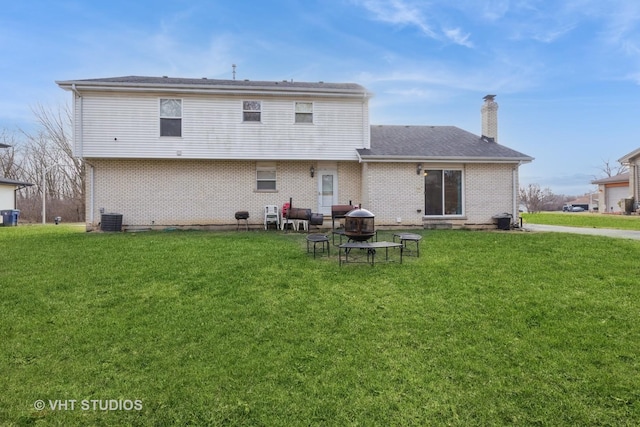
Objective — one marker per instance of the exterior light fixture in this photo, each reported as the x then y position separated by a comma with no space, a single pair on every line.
419,169
312,171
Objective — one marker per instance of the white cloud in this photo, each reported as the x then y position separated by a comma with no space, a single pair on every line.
405,13
398,12
458,37
494,10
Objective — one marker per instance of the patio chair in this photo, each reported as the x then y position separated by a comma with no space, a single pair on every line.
271,216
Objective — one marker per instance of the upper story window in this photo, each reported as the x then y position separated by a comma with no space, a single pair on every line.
251,111
304,112
170,117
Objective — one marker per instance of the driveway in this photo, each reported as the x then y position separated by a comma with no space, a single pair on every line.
608,232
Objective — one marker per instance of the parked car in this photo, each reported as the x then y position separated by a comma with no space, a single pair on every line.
572,208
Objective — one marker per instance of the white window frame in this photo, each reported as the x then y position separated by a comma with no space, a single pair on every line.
264,169
442,171
169,117
245,111
296,113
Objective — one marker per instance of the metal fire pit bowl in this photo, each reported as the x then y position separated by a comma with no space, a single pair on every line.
359,225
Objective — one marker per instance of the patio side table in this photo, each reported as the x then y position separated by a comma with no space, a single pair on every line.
409,237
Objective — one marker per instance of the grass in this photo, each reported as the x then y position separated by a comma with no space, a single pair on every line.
485,328
584,219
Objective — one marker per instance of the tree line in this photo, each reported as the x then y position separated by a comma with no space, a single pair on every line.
44,158
537,199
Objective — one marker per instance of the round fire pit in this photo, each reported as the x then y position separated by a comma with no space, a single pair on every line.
359,225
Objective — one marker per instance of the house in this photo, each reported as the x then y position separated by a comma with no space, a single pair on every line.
588,202
8,190
612,191
191,152
632,161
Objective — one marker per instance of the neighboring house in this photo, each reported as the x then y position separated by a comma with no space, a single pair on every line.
588,202
8,189
611,193
191,152
632,161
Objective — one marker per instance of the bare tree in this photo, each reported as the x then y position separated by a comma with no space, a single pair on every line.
48,162
56,129
610,169
10,161
535,198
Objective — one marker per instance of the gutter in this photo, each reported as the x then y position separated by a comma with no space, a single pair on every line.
445,159
234,90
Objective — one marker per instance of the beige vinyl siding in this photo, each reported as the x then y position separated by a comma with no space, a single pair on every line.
127,126
7,197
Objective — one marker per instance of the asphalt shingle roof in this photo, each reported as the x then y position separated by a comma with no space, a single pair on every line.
205,83
435,142
7,181
623,177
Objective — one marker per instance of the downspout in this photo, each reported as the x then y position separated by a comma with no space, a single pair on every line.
79,152
91,192
516,210
80,142
636,183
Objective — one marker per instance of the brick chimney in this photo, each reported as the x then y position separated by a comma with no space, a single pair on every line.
489,112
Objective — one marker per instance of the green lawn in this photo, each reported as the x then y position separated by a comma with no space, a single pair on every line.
201,328
584,219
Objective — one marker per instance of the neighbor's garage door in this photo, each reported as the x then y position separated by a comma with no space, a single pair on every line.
614,195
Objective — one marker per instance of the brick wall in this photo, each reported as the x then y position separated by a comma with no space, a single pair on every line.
202,192
209,192
489,191
396,191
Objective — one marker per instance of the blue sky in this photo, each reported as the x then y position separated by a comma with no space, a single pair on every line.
566,73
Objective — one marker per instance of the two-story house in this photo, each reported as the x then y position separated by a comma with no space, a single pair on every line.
191,152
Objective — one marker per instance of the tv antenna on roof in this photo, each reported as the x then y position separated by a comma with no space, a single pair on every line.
234,70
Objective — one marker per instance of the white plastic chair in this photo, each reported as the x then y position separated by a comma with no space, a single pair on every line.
302,224
271,215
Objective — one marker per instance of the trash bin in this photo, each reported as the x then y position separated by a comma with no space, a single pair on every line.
628,205
111,222
10,217
503,221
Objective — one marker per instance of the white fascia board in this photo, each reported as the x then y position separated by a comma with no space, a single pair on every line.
222,89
